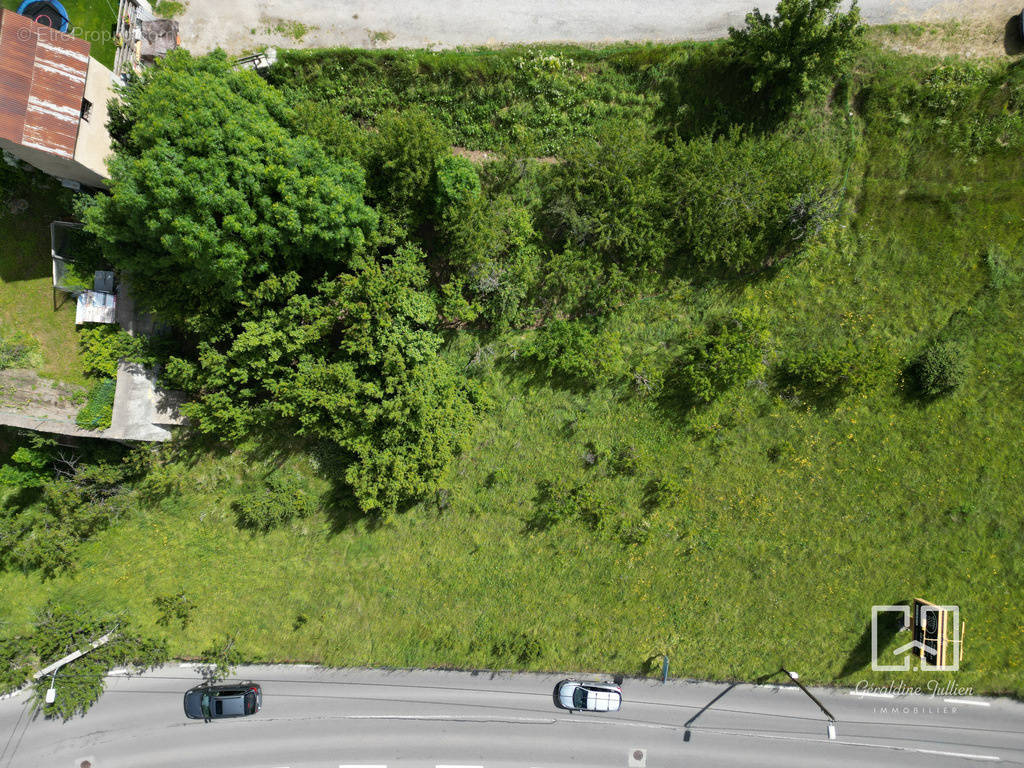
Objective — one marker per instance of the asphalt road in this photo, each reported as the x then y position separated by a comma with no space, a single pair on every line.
239,25
314,718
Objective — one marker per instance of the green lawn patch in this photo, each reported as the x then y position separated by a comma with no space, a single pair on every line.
29,201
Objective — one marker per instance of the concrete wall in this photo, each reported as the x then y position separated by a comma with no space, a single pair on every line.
93,146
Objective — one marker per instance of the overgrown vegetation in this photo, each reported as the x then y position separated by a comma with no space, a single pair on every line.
736,351
55,496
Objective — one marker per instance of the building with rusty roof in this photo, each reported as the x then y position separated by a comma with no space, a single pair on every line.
53,101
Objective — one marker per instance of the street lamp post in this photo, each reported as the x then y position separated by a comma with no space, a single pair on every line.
831,727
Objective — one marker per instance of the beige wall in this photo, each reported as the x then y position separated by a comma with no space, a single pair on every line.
93,146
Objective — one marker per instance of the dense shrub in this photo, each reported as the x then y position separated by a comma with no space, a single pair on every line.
941,368
493,255
1001,271
746,202
623,459
102,347
174,608
728,352
280,499
575,350
457,182
521,648
401,163
663,492
831,372
608,198
558,502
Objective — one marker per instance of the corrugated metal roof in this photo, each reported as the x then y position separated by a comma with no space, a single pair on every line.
42,83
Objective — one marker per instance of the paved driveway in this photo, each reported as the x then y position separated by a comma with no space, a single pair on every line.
240,25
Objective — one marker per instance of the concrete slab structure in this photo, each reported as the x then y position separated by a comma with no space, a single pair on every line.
142,411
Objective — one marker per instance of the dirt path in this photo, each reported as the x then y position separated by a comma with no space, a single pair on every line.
242,25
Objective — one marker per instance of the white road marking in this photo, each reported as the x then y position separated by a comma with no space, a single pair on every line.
466,718
965,756
445,765
782,688
355,765
873,695
969,701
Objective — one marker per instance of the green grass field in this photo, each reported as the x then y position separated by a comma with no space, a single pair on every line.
792,517
92,20
26,281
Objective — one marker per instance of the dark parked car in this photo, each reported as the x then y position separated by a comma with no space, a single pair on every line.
225,700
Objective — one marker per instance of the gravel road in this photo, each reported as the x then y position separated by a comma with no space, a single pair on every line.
241,25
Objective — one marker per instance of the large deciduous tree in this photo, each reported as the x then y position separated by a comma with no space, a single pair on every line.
297,312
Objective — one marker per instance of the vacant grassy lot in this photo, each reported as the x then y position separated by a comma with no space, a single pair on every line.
92,20
754,532
28,203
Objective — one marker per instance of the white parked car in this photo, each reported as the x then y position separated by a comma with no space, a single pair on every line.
587,697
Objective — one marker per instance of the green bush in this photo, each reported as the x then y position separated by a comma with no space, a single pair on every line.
747,202
174,608
624,460
402,164
608,198
457,182
559,502
1001,272
664,492
520,648
729,352
281,499
832,372
491,248
103,346
806,46
941,368
573,349
99,407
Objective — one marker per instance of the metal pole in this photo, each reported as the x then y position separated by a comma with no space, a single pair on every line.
831,718
664,668
72,656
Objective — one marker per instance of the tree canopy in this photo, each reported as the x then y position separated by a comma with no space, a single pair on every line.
807,44
297,311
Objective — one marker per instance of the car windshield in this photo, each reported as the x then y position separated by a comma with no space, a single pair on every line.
579,698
